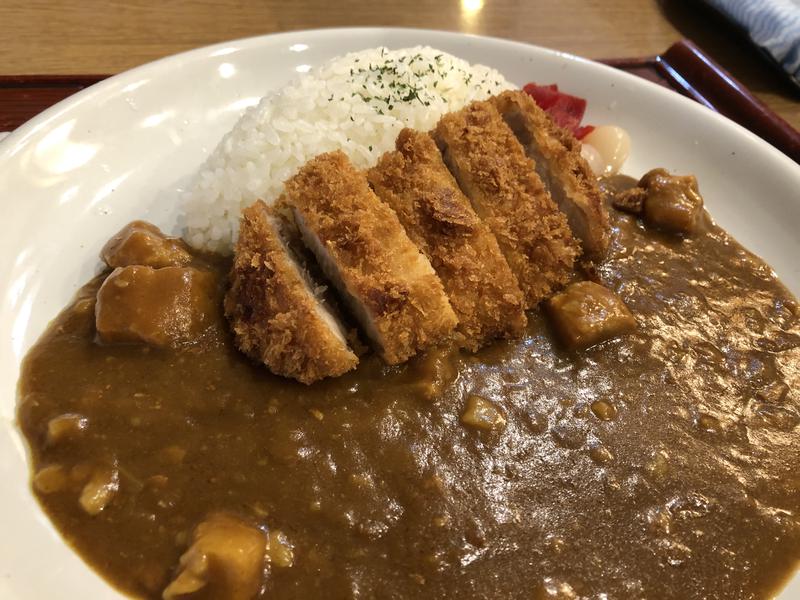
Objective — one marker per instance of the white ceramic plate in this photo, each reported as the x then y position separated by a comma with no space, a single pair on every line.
121,149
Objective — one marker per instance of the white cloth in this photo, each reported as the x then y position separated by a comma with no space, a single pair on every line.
773,25
3,134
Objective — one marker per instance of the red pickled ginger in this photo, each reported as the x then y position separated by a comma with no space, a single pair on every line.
565,109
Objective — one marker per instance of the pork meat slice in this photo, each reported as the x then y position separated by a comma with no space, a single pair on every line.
567,176
492,169
439,219
276,312
363,249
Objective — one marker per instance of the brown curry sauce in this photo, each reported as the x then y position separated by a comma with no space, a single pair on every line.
662,464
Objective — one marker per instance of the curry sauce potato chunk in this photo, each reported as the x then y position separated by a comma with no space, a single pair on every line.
162,307
141,243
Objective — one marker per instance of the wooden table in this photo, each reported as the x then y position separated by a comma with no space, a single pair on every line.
108,36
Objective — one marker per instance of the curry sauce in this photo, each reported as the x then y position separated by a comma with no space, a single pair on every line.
661,464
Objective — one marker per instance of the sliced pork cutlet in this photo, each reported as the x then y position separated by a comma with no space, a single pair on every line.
363,249
273,308
439,219
492,169
564,172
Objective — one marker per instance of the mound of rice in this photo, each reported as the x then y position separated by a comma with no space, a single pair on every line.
357,103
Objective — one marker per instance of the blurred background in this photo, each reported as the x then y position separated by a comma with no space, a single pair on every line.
105,37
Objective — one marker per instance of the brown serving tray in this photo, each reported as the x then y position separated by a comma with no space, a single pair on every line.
683,68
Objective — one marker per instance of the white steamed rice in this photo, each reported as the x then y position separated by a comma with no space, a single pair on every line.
357,103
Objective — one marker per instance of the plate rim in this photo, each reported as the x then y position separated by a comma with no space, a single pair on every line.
21,135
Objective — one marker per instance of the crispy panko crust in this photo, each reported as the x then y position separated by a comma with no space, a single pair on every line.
492,169
274,315
437,217
365,252
557,156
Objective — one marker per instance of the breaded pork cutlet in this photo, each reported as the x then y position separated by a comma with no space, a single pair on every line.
564,172
365,252
492,169
275,315
437,217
